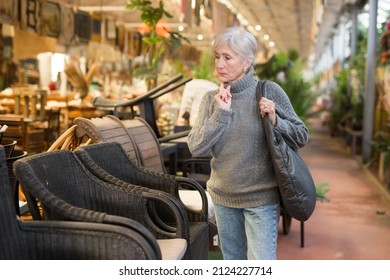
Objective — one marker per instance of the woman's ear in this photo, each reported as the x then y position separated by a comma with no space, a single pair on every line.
247,64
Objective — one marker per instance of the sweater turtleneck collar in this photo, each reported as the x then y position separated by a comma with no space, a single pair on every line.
243,83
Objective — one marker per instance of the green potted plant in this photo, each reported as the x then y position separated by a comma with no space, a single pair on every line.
381,156
321,190
287,70
156,44
339,103
348,96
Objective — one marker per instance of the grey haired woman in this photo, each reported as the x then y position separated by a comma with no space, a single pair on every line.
228,128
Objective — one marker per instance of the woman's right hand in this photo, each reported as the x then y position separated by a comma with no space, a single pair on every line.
223,97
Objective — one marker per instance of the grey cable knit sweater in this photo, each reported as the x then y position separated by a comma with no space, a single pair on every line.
242,175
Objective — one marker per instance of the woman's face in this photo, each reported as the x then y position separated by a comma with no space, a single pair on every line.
229,66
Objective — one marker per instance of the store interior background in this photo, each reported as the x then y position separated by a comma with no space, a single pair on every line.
39,38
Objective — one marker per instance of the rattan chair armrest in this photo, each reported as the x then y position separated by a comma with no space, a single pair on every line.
189,184
85,240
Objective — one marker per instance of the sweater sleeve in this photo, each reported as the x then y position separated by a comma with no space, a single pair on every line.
209,126
288,123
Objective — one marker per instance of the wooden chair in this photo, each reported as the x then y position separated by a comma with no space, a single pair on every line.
30,102
41,124
16,131
29,138
61,240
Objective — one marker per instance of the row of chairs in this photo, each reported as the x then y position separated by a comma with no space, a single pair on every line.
142,146
23,240
30,121
175,231
67,190
193,228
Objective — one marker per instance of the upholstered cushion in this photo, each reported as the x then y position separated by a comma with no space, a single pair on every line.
193,201
172,249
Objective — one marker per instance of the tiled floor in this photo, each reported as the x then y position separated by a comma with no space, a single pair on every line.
355,224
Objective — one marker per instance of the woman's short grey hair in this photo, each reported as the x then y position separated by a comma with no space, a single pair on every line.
238,40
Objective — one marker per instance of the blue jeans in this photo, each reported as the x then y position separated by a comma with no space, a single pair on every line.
248,233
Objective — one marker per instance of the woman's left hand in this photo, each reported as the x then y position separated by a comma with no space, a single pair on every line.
267,106
223,97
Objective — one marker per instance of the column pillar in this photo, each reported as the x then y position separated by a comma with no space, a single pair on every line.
369,101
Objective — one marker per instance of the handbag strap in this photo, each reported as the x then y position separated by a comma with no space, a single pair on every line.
260,92
268,128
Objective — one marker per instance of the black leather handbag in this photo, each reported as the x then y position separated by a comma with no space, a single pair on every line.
296,185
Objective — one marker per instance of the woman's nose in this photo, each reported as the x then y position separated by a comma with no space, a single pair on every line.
219,63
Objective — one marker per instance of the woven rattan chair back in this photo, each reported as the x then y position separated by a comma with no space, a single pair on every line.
50,240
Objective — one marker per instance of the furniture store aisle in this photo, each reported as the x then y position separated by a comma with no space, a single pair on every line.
355,224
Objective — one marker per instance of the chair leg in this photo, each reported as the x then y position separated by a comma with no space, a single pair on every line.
16,198
286,221
302,234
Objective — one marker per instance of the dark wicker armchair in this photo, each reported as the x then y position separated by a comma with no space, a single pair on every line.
67,190
49,240
141,145
109,159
